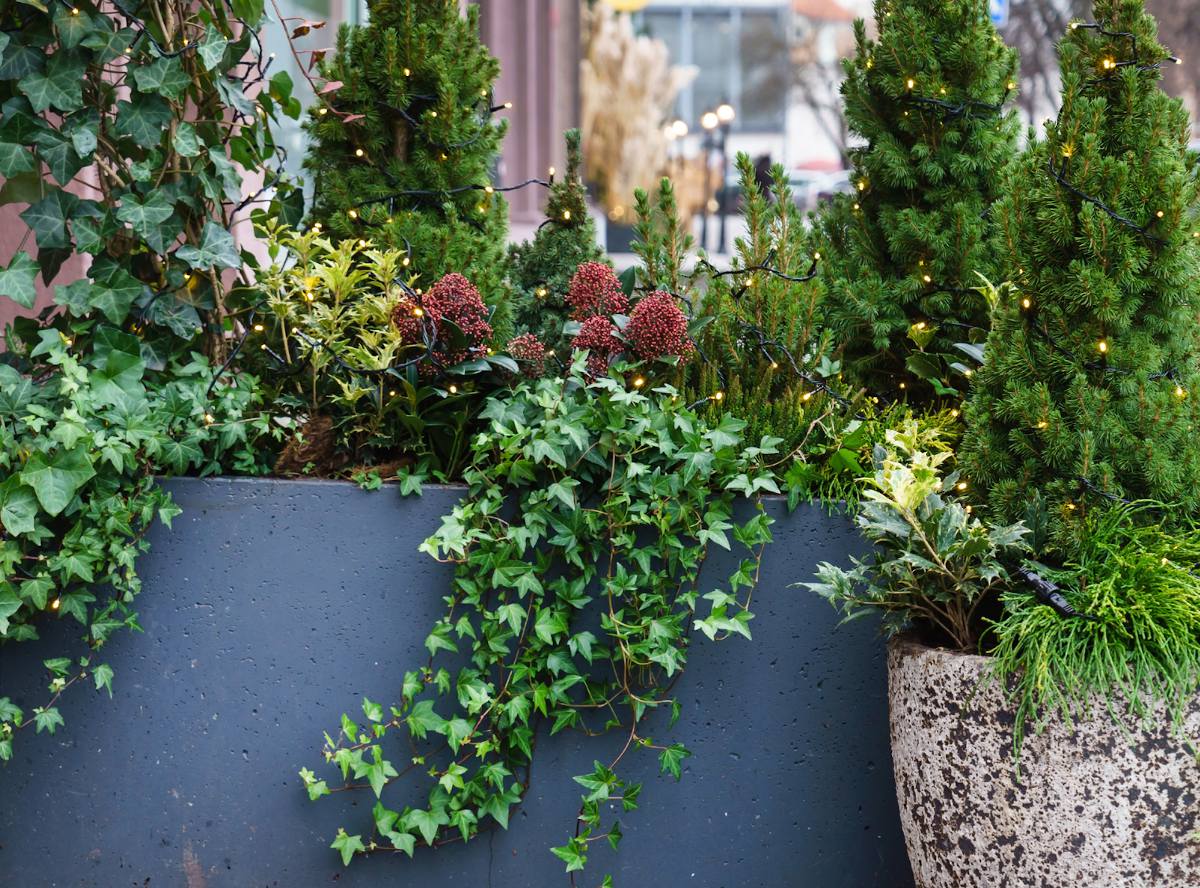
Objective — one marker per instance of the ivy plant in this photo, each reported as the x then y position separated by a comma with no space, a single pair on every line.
82,434
578,549
130,128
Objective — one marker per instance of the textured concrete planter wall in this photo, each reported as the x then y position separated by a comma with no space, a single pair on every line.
251,650
1096,807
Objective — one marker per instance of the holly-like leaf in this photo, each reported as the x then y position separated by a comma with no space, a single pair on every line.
57,478
17,281
216,249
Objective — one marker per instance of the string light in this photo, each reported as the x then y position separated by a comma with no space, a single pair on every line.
352,213
1026,303
209,419
1160,214
1102,346
718,396
639,382
954,413
322,111
358,152
566,215
258,328
807,396
408,72
552,172
55,604
961,485
911,83
453,389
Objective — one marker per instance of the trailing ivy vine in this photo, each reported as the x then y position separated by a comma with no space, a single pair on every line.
577,550
129,128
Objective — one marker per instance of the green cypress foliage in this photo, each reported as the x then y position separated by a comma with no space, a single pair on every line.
1090,388
403,149
540,270
904,249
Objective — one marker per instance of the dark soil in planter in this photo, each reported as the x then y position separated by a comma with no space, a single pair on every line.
274,606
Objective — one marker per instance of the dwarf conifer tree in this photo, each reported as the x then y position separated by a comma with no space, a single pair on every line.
1090,389
926,97
404,147
540,270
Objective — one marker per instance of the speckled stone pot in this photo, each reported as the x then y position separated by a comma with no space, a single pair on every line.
1099,806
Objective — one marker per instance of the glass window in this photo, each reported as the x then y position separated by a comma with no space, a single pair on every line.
714,49
766,70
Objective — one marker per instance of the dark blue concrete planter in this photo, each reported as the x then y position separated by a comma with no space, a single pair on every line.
252,649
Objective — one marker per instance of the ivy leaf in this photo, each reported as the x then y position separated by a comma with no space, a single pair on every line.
186,144
147,218
347,845
114,294
216,249
107,44
144,120
17,281
427,823
48,219
14,159
18,507
72,24
165,76
60,86
424,719
59,154
212,48
103,677
670,758
74,297
10,603
47,720
57,479
550,623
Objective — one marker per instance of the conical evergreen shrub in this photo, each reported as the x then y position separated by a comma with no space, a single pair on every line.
925,99
1090,391
403,149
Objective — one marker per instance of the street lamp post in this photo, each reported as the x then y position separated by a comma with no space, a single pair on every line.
709,121
725,115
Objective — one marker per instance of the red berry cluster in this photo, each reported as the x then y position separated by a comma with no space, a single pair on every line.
595,290
453,300
529,352
658,327
597,337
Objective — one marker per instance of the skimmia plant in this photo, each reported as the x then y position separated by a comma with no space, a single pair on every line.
577,551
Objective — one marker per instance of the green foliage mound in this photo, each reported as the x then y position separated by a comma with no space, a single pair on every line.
926,98
404,140
1090,389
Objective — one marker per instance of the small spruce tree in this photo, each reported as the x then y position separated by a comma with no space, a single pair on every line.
403,149
540,270
1090,388
926,97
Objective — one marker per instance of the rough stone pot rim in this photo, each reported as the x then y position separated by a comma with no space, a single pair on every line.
909,645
